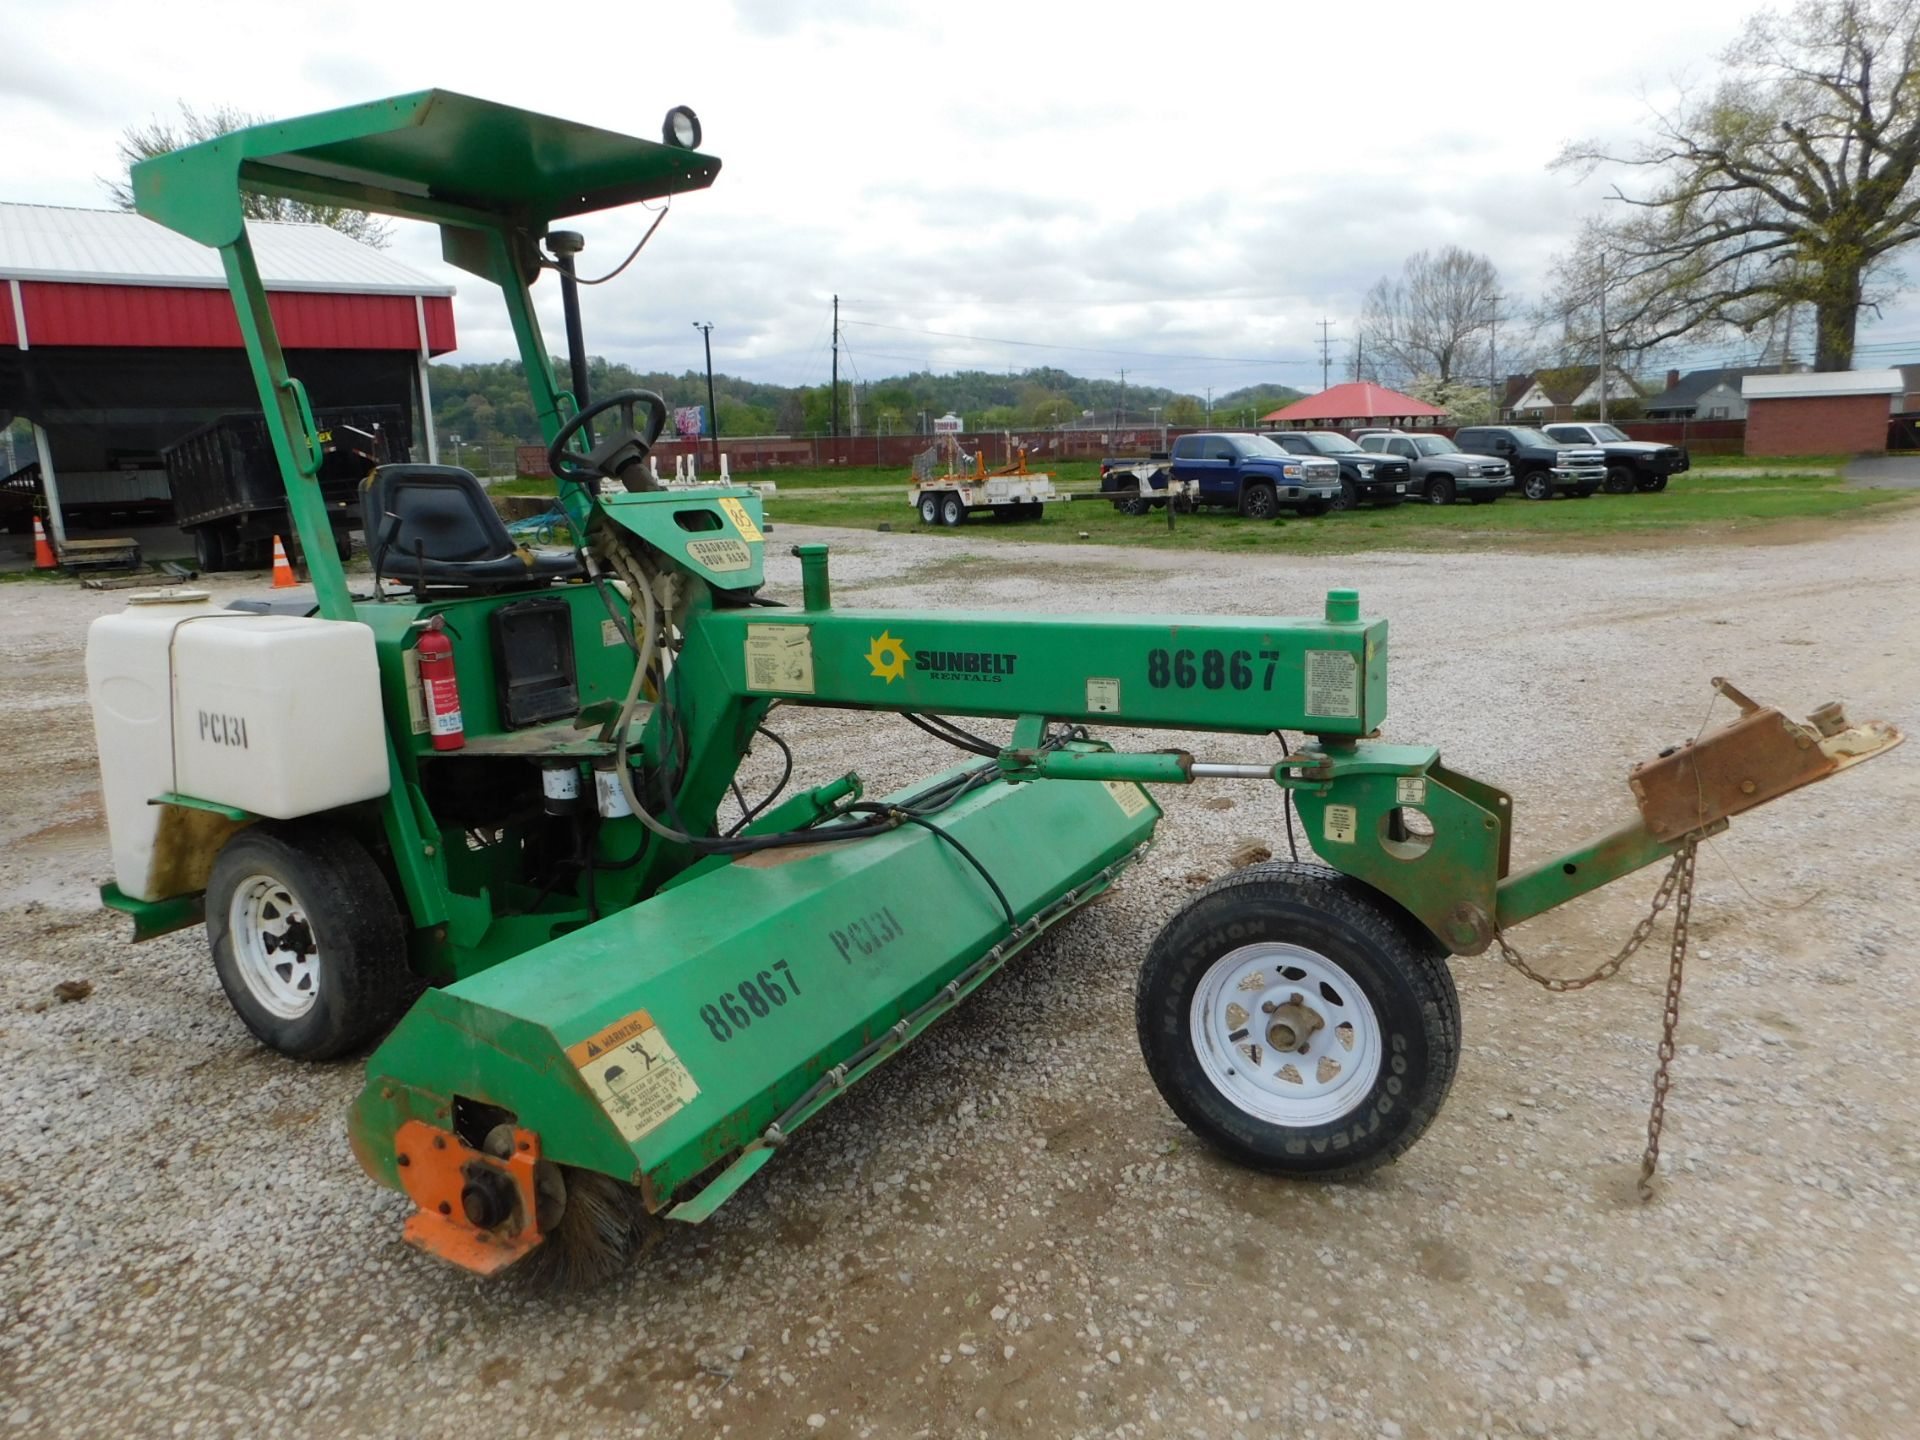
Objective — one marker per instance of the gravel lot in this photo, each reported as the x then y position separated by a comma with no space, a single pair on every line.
1006,1232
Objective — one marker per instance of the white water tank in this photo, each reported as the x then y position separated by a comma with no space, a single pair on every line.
277,715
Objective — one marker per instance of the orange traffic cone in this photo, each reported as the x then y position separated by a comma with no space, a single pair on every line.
282,571
43,557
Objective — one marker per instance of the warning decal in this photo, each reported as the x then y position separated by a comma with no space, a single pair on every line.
1343,824
743,522
1410,790
1128,796
1103,695
721,555
780,657
1333,684
634,1074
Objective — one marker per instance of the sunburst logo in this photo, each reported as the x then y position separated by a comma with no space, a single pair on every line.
888,657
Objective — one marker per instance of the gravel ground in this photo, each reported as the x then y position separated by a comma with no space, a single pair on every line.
1006,1232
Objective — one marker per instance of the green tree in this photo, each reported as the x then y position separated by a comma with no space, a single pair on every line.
161,137
1184,410
1794,181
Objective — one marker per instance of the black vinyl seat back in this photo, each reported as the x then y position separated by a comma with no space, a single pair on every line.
433,525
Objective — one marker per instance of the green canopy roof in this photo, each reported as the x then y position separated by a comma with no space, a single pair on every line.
432,155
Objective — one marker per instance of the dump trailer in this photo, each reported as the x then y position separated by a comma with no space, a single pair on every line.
479,813
229,496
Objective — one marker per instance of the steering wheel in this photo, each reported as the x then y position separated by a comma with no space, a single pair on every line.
623,449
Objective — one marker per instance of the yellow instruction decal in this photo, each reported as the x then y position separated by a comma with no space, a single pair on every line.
742,521
721,556
1343,824
634,1074
1128,796
780,657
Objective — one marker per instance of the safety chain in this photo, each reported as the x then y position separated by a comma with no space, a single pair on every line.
1676,888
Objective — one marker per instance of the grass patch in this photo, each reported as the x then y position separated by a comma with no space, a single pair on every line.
1696,504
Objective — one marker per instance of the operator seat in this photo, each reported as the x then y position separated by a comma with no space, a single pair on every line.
433,525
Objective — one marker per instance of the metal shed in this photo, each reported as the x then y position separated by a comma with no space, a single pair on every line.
117,337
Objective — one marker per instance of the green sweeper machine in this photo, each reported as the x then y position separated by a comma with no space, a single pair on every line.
482,807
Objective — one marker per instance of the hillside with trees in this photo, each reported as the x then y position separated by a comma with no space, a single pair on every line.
486,403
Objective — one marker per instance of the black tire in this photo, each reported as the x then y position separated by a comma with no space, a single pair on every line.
1396,967
1439,490
1537,485
1348,498
952,512
209,551
930,509
1619,481
359,982
1314,509
343,542
1257,502
1653,484
1138,505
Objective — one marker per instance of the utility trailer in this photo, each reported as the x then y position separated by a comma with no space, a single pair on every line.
494,803
229,497
1010,493
1137,484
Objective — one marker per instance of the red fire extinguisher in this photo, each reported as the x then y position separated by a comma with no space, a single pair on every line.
441,687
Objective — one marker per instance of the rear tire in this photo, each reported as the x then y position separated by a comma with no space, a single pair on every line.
307,938
1439,490
209,549
1289,946
952,512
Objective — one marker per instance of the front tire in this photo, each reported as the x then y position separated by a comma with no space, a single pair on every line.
209,549
1348,498
1619,480
1654,484
1538,485
929,509
1257,502
1298,1024
1439,490
307,939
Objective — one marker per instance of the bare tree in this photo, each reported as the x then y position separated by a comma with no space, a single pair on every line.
1792,183
1433,319
160,137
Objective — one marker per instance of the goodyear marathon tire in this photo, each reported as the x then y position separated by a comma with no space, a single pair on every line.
1283,956
307,939
929,510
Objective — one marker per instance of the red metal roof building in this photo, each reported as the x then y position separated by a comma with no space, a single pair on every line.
117,337
1358,402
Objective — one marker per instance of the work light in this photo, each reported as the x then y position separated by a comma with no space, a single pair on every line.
682,128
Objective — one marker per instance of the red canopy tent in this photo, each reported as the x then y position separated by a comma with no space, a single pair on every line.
1359,402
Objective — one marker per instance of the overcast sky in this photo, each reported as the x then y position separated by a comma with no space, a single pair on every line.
1180,190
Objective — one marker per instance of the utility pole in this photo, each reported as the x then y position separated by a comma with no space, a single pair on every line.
705,327
1603,337
1326,351
833,424
1209,405
1120,410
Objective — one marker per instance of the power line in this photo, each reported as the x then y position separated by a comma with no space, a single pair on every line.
1079,349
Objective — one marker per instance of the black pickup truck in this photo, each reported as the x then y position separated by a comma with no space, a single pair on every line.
1631,464
1365,478
1544,467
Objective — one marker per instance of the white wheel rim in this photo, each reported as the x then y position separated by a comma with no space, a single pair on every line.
273,946
1231,1020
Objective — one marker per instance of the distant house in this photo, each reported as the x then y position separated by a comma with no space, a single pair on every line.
1354,404
1705,394
1555,394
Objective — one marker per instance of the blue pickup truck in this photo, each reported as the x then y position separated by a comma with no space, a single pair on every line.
1251,474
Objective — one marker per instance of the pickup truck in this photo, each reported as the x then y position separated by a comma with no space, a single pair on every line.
1247,473
1545,467
1364,479
1631,464
1442,471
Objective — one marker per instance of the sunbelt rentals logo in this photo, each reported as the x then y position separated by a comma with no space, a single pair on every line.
890,660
